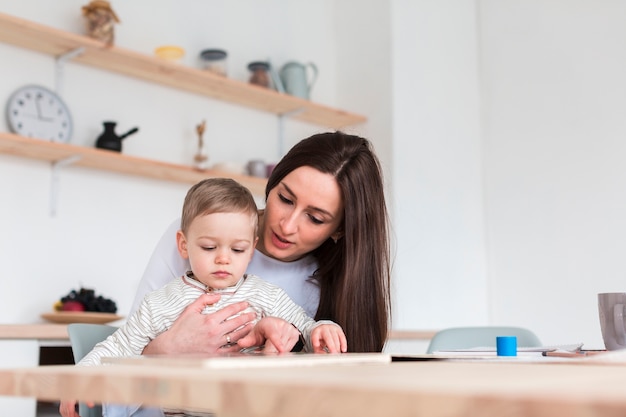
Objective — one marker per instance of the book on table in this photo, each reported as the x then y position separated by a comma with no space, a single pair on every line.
251,360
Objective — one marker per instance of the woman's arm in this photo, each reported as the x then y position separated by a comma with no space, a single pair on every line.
194,332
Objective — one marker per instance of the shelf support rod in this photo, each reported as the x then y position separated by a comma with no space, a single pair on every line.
59,66
54,182
281,129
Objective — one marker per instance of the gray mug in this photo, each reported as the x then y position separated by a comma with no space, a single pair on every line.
257,168
612,309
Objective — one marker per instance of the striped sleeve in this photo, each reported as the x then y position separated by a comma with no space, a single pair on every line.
156,314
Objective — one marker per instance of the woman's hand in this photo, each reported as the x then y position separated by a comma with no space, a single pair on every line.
328,338
194,332
277,335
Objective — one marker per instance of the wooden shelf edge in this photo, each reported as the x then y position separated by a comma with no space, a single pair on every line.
17,145
55,42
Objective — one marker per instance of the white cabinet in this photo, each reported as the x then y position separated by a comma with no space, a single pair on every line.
18,354
21,347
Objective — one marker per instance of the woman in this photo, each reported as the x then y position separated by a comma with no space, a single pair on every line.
323,238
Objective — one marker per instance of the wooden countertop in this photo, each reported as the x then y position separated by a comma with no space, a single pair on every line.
33,331
59,331
430,388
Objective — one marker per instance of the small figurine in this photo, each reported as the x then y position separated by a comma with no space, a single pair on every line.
100,20
201,157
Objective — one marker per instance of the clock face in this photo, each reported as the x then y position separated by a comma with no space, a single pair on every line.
37,112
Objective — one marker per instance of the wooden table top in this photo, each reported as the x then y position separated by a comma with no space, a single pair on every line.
424,388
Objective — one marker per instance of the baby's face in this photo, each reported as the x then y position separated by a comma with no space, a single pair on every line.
219,247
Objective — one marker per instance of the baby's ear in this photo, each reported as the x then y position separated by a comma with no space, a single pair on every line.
181,244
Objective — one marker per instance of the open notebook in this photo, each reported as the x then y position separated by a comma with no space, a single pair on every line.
491,351
543,353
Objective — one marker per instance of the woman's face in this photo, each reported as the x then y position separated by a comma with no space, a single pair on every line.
301,212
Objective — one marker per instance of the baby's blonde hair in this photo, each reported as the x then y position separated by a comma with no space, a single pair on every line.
217,195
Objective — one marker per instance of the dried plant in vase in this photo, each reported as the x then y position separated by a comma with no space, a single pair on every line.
201,157
100,21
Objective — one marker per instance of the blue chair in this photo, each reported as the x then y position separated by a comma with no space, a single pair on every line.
83,337
481,336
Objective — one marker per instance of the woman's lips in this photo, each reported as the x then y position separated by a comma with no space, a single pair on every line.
279,242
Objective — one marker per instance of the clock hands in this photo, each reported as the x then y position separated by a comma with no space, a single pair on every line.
38,105
39,112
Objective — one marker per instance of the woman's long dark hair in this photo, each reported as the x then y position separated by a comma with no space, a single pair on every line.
354,272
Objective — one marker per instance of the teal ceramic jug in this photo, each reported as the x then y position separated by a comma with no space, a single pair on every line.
298,79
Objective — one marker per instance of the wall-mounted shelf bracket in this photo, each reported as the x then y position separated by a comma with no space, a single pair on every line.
54,182
281,130
60,63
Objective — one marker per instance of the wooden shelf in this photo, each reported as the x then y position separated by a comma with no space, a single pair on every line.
56,42
113,161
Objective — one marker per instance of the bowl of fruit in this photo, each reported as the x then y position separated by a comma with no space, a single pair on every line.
83,306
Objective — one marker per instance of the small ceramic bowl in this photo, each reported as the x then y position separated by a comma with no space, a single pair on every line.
170,52
230,167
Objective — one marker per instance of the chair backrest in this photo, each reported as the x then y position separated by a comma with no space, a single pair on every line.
481,336
83,337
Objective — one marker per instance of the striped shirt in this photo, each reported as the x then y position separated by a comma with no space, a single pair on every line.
162,307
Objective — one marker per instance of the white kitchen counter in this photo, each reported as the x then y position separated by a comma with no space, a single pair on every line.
20,347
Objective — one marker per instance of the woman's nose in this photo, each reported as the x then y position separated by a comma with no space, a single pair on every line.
289,224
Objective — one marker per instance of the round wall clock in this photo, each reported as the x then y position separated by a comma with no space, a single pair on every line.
37,112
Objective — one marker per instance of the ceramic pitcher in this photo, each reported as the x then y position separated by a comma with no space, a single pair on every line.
298,79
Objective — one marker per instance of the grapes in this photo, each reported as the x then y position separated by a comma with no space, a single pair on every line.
88,298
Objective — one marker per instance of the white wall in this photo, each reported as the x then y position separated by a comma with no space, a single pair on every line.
438,195
508,149
363,42
554,98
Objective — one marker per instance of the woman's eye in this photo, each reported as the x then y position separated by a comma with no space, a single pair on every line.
315,219
284,199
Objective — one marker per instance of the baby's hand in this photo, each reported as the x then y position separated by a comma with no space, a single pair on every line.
276,334
68,408
328,338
